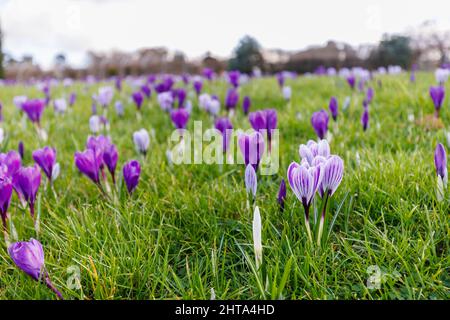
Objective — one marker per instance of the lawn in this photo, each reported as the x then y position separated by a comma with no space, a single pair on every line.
186,231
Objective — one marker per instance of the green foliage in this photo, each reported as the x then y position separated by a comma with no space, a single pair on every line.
247,55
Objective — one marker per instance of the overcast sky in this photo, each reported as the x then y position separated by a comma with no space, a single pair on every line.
43,28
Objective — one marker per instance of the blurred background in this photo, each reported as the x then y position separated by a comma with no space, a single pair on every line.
74,38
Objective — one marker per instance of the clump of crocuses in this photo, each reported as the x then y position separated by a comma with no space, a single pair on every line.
319,172
28,256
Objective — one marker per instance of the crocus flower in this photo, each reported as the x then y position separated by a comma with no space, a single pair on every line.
305,181
440,162
89,162
287,93
252,148
231,99
46,159
99,144
281,196
110,156
119,108
319,121
437,94
179,118
94,123
146,90
118,83
60,105
72,99
26,182
264,120
131,173
12,161
251,181
21,149
180,95
246,104
257,238
280,79
105,95
351,81
233,78
365,119
29,257
369,95
198,85
313,149
6,189
165,100
33,109
138,98
19,101
224,126
333,106
208,73
141,141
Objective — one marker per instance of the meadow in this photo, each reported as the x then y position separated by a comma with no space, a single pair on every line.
186,230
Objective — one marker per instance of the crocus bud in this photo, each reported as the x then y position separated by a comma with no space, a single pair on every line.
198,85
251,181
319,121
94,123
281,196
26,181
131,174
21,150
141,141
138,98
6,190
110,156
437,94
257,241
365,119
252,148
119,108
88,163
333,171
246,104
34,109
333,106
29,257
179,118
287,93
440,162
46,159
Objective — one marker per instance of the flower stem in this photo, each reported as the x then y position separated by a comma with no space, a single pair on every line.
50,285
322,219
308,227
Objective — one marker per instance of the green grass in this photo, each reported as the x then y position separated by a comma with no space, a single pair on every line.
187,229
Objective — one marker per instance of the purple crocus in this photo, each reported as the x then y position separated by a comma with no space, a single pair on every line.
351,80
89,162
246,104
333,106
46,159
369,95
72,99
264,120
231,99
319,121
6,189
110,157
280,79
198,85
29,257
34,108
12,161
105,95
252,148
225,127
208,73
26,182
281,196
138,98
440,161
146,90
233,78
365,119
180,95
437,94
131,174
179,118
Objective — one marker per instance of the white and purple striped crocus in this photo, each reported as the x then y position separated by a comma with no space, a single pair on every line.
251,181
